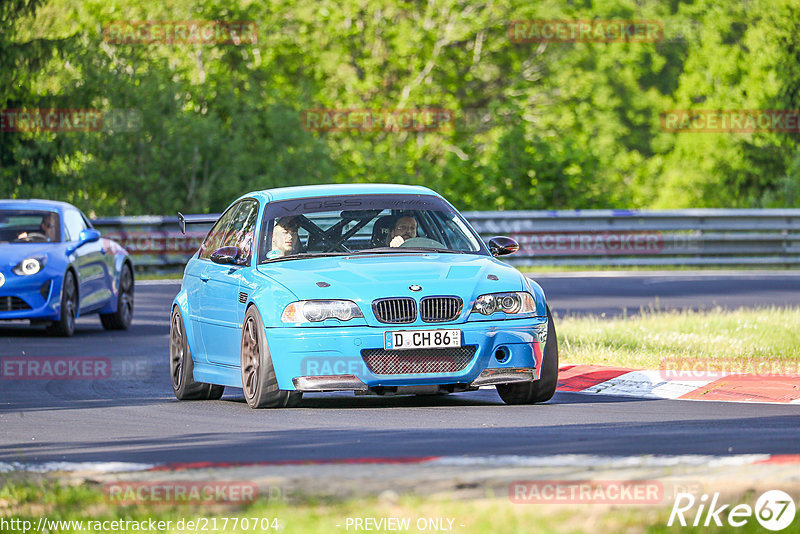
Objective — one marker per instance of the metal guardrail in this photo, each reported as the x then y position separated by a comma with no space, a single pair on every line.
580,237
624,237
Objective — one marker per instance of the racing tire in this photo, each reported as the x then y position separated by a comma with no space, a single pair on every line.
181,366
259,382
65,325
541,390
122,318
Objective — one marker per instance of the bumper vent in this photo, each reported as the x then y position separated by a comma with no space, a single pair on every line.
439,309
13,304
45,290
418,361
401,310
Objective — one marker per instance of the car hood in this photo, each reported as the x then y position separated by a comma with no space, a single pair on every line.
11,254
364,278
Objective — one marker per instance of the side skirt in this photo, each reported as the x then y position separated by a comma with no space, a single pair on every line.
218,374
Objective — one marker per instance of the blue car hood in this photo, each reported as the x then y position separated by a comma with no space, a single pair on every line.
11,254
363,279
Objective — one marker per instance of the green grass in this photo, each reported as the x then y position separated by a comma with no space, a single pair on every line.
30,500
648,339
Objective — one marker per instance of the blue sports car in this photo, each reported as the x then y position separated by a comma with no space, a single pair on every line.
55,267
376,289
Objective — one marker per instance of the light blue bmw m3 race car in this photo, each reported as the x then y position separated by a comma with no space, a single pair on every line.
377,289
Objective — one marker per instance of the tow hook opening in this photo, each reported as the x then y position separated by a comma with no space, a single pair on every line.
502,354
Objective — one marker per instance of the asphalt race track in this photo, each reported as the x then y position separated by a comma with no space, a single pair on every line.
614,293
131,415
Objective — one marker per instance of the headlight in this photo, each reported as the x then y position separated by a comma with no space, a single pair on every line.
511,303
314,311
29,266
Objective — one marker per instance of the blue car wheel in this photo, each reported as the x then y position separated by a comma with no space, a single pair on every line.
65,325
258,375
122,318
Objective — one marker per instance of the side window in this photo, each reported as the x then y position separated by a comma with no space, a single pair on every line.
242,228
74,223
216,236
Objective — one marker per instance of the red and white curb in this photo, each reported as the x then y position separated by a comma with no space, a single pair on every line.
664,384
561,460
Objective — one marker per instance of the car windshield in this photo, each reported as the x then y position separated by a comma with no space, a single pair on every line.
29,226
368,224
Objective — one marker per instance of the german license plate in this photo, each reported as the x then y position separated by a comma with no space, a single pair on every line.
422,339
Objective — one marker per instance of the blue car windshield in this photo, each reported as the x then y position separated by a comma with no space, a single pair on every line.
29,226
367,224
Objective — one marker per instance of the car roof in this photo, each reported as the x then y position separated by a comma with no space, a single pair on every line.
35,204
311,191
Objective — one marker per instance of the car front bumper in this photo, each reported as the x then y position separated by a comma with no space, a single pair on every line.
30,297
331,358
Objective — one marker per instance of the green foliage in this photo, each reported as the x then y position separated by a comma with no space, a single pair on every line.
537,126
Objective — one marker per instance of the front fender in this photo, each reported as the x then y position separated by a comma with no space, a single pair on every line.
538,294
270,297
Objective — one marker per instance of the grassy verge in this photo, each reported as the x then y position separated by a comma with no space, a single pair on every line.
26,501
652,337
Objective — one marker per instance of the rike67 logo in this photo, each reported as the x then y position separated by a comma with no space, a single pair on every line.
774,510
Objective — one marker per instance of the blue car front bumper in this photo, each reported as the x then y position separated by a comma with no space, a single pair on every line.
30,297
338,354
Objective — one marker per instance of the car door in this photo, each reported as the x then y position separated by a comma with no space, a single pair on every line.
195,281
220,289
88,261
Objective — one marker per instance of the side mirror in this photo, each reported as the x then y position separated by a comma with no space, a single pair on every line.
90,235
502,246
227,256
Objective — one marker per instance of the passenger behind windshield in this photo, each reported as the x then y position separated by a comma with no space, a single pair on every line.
285,238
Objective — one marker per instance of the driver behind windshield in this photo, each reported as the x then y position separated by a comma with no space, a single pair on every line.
48,229
405,228
285,238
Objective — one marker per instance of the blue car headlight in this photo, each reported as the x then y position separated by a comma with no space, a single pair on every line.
512,303
314,311
30,266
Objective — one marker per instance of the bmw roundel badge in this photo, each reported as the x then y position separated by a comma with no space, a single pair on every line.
415,287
